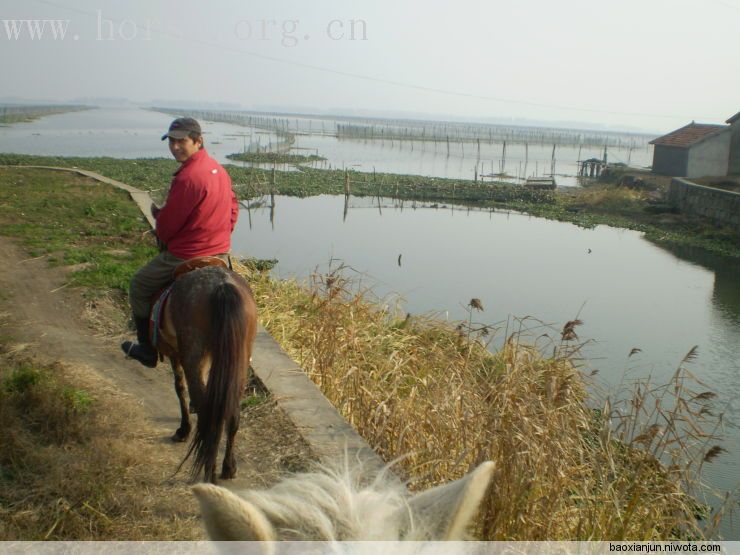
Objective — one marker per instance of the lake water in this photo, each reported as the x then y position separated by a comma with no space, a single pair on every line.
629,292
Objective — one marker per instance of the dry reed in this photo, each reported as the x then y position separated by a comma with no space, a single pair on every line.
433,394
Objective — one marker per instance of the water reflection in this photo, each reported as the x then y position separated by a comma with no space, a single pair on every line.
726,291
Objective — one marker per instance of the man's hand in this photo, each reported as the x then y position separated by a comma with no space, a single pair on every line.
155,209
161,247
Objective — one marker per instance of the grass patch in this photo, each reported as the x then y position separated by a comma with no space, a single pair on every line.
253,401
67,471
17,114
432,393
274,158
57,410
77,222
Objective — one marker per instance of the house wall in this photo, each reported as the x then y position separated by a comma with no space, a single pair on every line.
734,164
716,204
709,157
670,160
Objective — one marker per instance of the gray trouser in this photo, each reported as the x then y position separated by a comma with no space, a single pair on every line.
152,278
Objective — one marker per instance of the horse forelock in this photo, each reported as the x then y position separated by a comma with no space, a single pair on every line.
333,506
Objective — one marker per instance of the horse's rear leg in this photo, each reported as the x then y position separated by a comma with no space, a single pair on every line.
228,470
183,431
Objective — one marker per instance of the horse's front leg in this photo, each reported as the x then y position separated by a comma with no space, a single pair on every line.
183,431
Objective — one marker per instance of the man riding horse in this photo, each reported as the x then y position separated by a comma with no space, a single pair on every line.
196,220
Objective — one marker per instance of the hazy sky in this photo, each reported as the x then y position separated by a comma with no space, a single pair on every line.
650,64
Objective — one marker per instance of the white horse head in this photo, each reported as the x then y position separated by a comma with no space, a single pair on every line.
334,506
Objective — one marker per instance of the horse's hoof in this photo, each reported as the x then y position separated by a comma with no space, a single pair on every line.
228,474
179,437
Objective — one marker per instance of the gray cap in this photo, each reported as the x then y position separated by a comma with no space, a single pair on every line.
181,128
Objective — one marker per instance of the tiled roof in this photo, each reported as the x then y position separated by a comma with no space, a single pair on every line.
734,118
689,135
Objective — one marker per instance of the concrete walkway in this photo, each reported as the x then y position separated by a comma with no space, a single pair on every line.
329,435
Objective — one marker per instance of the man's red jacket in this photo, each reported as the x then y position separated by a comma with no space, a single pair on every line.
201,209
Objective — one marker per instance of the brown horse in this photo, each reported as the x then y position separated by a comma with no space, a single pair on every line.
208,328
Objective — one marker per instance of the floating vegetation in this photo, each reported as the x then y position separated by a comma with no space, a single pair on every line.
12,113
274,158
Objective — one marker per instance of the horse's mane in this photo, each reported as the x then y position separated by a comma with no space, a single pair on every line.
332,504
336,504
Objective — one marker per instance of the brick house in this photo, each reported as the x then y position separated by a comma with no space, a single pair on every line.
697,150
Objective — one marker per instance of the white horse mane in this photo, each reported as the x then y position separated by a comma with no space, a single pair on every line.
336,505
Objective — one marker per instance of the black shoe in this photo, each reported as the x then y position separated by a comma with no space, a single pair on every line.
143,350
143,353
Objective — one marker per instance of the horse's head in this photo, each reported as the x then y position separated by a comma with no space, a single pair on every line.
333,506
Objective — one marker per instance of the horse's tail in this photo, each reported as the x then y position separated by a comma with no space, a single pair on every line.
229,359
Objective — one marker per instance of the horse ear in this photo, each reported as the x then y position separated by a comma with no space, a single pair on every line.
228,517
447,510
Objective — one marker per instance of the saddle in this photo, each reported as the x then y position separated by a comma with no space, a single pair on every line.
199,262
160,298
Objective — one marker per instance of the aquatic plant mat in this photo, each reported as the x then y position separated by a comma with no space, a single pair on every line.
432,394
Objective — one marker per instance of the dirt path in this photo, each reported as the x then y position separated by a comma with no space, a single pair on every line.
52,322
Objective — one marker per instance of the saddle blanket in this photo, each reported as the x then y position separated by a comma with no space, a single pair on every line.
155,316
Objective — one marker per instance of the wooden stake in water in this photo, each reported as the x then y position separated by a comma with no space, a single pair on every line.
272,209
552,162
346,182
503,159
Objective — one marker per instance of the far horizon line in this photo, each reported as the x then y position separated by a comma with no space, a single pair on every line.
367,114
